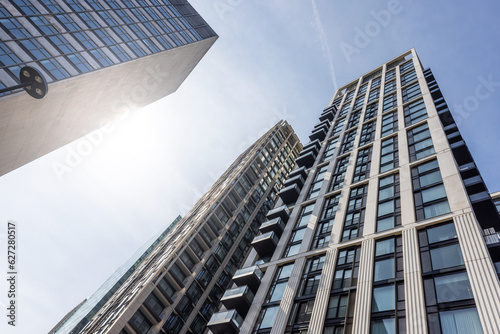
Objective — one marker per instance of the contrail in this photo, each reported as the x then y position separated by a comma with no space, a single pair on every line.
324,43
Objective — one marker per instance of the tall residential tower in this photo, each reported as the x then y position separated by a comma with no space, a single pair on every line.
179,285
386,226
101,59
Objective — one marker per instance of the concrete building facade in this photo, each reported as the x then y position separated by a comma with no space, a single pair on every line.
386,225
179,285
101,59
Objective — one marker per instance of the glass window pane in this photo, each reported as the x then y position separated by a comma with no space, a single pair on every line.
464,321
384,270
286,271
445,257
293,250
387,180
431,178
441,233
384,247
453,287
277,294
385,193
384,326
385,208
427,166
269,317
383,299
433,193
385,224
436,209
298,235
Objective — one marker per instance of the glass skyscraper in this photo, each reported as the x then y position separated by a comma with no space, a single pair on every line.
101,59
385,226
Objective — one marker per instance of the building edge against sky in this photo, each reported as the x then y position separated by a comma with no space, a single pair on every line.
388,225
102,59
77,318
179,285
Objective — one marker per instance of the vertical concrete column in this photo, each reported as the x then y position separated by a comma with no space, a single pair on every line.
288,296
482,276
362,309
414,292
323,293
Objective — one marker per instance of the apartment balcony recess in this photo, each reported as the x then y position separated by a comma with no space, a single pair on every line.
250,276
315,143
298,180
327,115
325,124
319,134
276,225
282,212
227,322
289,194
302,171
265,244
239,299
306,160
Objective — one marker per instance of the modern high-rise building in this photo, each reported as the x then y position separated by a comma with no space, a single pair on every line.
101,59
496,199
386,226
179,285
77,318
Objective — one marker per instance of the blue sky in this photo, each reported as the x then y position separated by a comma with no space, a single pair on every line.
273,60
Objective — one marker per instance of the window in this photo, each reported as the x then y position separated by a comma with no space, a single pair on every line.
374,94
362,90
350,95
390,75
14,28
388,260
408,78
354,120
355,216
389,123
390,102
415,112
363,162
388,309
359,102
187,260
140,323
420,142
348,143
139,52
339,173
177,273
448,293
389,203
389,86
345,109
330,149
68,23
339,125
371,111
154,305
312,275
376,82
267,317
410,92
318,181
428,190
324,227
389,154
120,53
36,49
55,68
367,133
166,288
299,231
406,66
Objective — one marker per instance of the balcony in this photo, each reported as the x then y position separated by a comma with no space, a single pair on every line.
280,212
227,322
239,299
289,194
302,171
298,180
250,277
265,244
313,149
276,225
327,115
318,134
306,160
315,143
